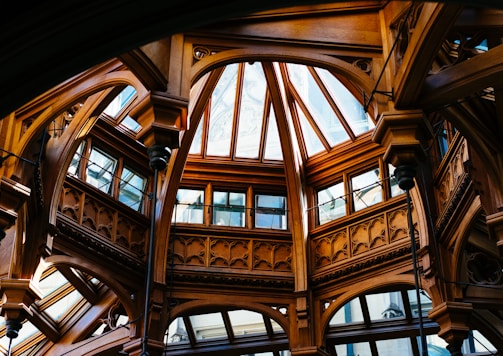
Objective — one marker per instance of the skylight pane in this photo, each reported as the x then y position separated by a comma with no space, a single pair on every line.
311,139
51,283
208,326
59,309
120,101
131,124
317,104
26,331
272,144
351,108
251,112
222,113
195,147
245,322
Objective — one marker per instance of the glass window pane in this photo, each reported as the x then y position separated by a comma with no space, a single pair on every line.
120,101
312,142
74,166
350,107
208,326
131,189
359,348
27,330
317,104
425,302
270,212
350,313
51,283
177,332
195,147
246,322
393,182
367,189
394,347
229,208
385,305
331,203
100,170
476,342
222,113
272,145
131,124
190,206
59,309
251,112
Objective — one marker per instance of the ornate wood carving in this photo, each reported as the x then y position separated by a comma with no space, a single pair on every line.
105,217
362,236
232,253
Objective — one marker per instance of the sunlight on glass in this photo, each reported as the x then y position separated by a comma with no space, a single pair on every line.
222,113
270,212
27,330
367,189
246,322
131,124
177,332
394,347
311,140
317,104
350,107
189,206
229,208
195,147
393,182
273,145
349,313
386,305
120,101
251,112
100,169
331,203
208,326
51,283
359,348
62,306
73,168
131,189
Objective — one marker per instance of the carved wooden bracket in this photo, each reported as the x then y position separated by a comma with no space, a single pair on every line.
13,195
17,296
308,351
405,135
452,317
162,116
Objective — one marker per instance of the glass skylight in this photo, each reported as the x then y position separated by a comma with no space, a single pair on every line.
241,123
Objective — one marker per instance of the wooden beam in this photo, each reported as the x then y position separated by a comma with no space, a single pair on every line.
80,283
464,79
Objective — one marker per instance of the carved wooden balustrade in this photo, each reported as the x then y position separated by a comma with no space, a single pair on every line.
242,257
357,242
451,181
104,218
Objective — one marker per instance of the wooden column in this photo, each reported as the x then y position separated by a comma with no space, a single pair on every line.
162,117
